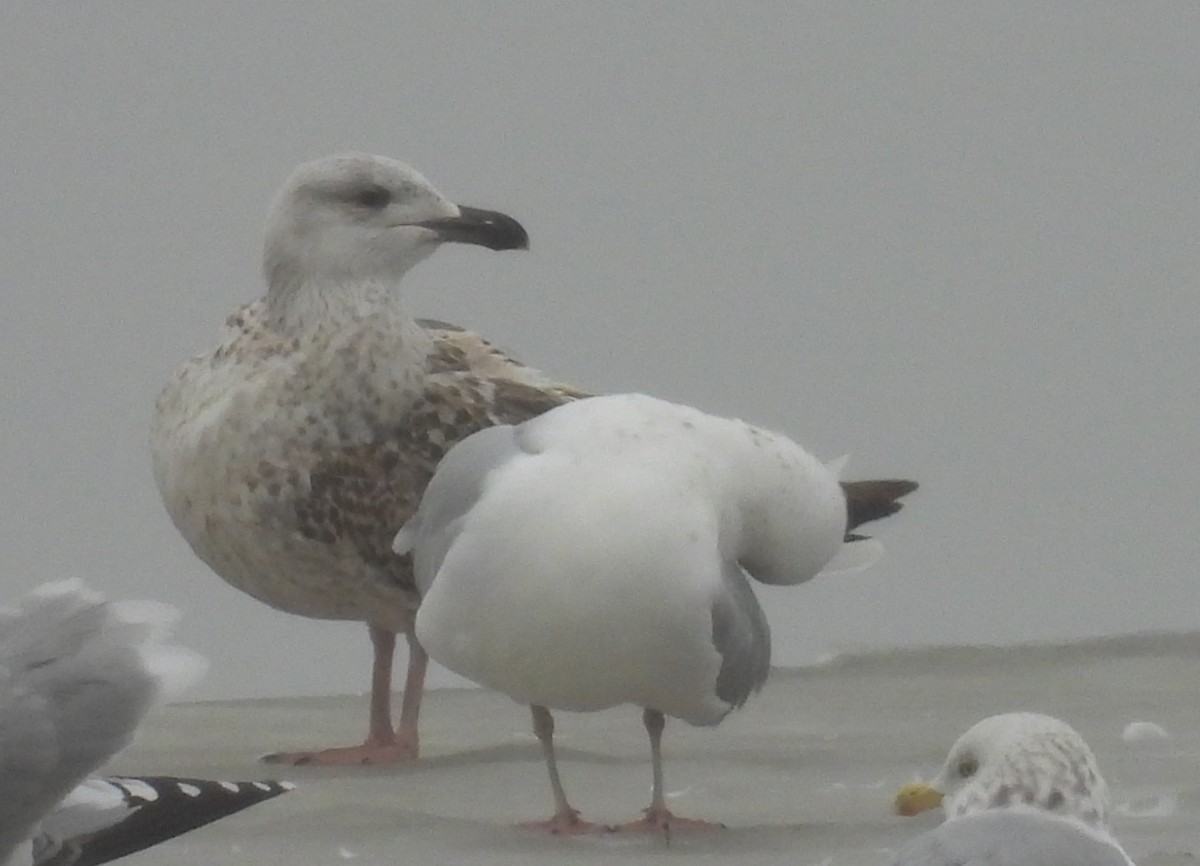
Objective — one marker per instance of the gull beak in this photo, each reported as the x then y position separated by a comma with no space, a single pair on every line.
915,798
486,228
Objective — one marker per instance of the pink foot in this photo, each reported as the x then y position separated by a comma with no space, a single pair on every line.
372,754
662,821
569,824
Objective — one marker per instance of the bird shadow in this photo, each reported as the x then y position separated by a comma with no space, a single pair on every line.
500,753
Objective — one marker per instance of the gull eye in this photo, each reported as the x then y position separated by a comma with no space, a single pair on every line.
967,767
373,196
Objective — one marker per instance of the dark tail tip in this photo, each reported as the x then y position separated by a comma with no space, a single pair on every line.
872,500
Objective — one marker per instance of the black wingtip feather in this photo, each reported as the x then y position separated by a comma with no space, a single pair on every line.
873,500
180,805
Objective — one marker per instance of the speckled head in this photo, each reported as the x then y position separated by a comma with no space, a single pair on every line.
1023,759
357,218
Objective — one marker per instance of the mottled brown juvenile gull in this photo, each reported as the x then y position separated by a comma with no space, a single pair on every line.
598,555
290,454
1018,789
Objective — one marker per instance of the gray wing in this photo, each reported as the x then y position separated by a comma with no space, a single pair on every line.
73,687
1001,837
453,491
742,637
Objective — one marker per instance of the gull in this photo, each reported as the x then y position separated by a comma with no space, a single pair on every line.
1021,789
289,454
598,555
77,674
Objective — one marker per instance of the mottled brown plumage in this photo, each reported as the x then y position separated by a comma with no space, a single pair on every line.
290,454
362,493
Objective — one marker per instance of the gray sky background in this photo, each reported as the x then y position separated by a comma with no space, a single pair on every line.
958,241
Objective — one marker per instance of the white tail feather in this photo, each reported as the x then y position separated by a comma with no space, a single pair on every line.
855,556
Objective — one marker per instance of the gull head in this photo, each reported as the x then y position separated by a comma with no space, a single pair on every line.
357,218
1025,760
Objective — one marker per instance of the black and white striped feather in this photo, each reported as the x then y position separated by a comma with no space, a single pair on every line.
110,817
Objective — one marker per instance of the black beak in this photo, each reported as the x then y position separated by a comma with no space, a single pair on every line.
487,228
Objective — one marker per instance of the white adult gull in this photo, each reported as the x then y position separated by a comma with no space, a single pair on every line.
288,455
598,555
77,675
1021,789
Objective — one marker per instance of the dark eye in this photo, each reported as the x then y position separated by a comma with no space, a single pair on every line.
373,196
967,767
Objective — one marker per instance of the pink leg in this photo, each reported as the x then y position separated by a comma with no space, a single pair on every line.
410,705
379,724
658,816
383,745
566,821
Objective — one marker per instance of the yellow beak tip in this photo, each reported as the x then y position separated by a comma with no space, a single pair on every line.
915,798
